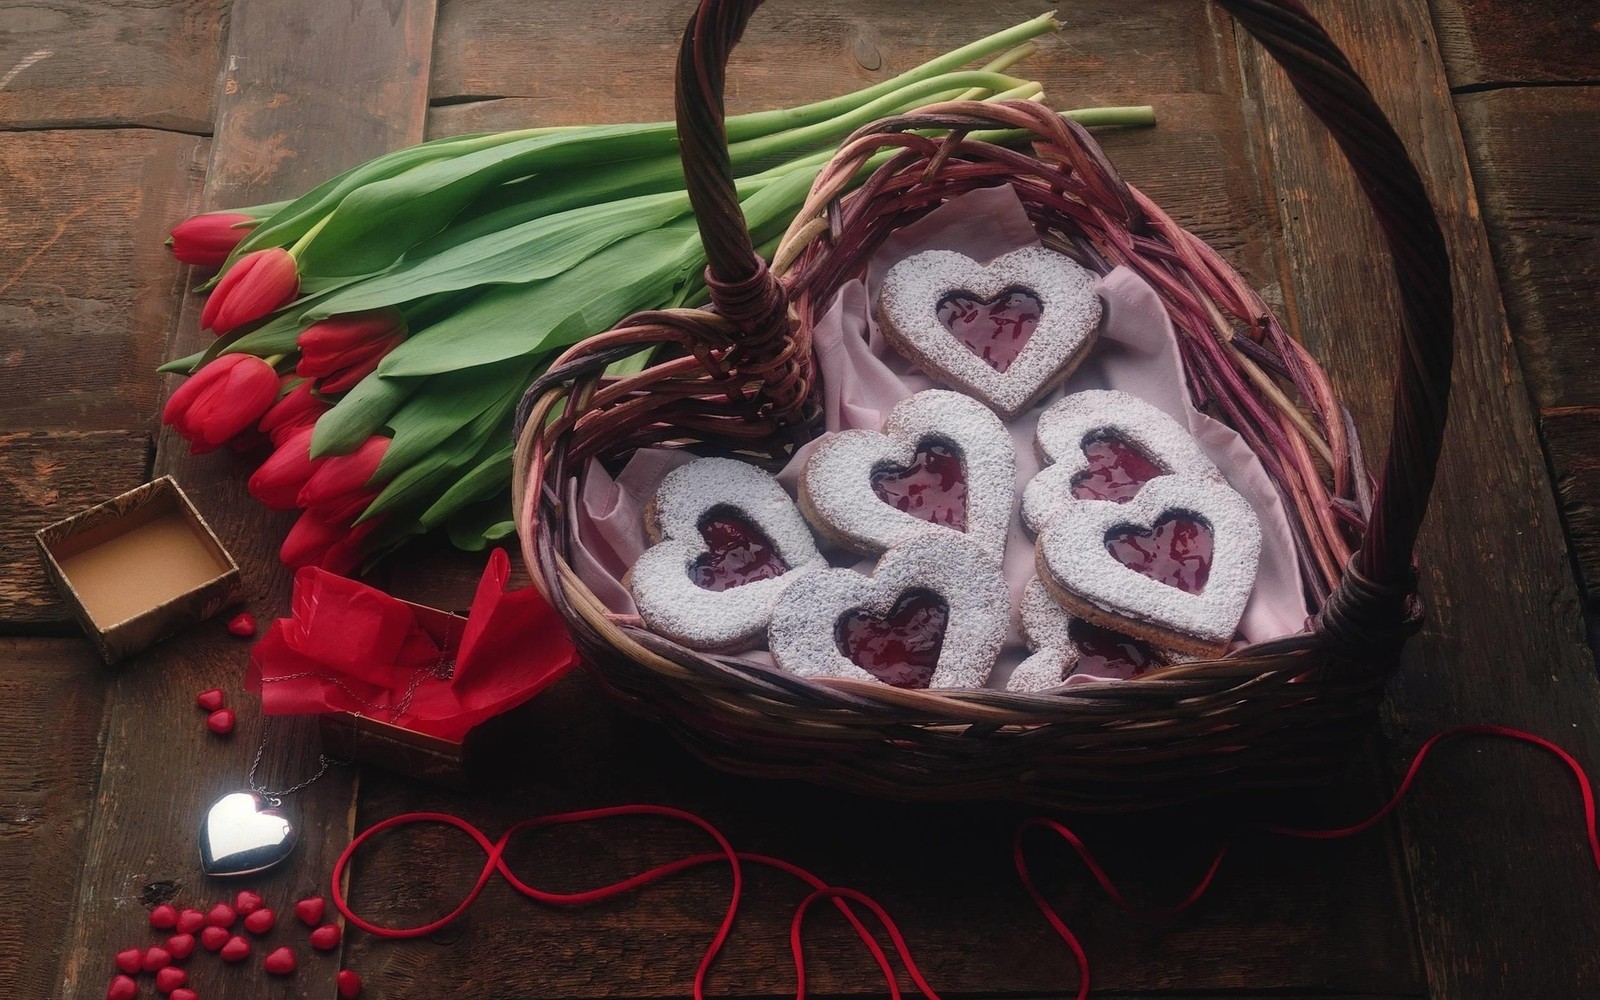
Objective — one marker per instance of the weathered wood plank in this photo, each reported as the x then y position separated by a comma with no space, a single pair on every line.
85,284
311,88
1572,443
1502,883
110,62
44,477
52,702
1489,42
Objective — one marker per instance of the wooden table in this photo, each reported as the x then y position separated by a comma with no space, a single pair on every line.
120,118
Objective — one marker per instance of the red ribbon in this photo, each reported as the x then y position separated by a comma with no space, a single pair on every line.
843,898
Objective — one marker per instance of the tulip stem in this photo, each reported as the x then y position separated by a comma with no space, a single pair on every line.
310,235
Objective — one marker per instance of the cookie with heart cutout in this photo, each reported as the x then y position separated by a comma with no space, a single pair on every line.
933,614
1173,566
1103,444
728,542
943,464
1007,332
1063,647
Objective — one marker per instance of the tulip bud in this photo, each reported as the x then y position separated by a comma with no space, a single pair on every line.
256,285
206,240
334,545
342,350
295,409
221,400
339,489
285,473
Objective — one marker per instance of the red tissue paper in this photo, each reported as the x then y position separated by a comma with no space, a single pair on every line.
347,647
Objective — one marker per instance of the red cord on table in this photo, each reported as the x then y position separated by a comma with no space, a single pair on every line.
842,898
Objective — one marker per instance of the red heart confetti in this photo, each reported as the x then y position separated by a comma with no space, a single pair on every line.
130,960
1117,468
900,648
326,937
164,917
349,984
184,993
213,938
737,553
996,329
280,962
220,721
190,921
170,978
932,488
236,950
260,921
210,700
248,902
122,988
221,915
310,910
157,958
1176,551
181,946
242,624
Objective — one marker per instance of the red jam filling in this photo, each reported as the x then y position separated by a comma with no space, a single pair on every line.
996,329
932,488
1176,552
1104,653
1117,468
737,552
900,648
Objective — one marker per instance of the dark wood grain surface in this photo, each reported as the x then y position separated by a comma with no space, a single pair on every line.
142,113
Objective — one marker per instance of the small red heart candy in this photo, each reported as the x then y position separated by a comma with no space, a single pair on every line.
248,902
236,950
242,624
122,988
349,984
181,946
130,960
310,910
325,938
213,938
157,958
220,721
221,915
184,993
170,978
260,921
190,921
280,962
164,917
210,700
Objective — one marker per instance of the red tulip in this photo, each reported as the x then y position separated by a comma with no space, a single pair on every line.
339,490
295,409
283,475
342,350
333,545
221,400
256,285
206,240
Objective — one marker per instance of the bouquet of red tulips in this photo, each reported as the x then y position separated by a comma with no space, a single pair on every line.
377,332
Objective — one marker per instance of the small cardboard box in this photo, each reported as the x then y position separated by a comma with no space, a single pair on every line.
139,568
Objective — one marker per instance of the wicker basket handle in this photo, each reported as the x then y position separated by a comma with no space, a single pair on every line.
1372,607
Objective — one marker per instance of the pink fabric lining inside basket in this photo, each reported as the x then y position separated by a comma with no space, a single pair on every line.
862,379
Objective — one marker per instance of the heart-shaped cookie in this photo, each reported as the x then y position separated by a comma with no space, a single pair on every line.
943,463
1063,646
933,614
1131,567
1006,332
1105,445
728,541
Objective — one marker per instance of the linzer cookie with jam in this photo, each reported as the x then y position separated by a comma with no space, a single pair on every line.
1006,332
1173,566
943,463
1062,646
933,614
729,541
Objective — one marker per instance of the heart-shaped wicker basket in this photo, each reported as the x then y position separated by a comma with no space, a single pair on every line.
739,379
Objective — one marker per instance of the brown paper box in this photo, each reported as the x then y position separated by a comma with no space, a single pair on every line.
139,568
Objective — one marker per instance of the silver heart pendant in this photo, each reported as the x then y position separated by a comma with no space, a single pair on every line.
242,834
